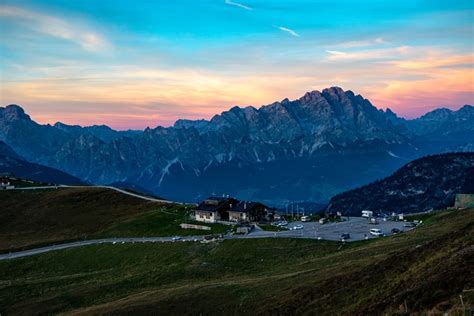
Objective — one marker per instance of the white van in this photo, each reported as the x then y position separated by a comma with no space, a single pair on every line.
376,232
305,219
367,213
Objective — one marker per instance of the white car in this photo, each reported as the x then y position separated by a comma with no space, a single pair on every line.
298,227
176,238
376,232
282,223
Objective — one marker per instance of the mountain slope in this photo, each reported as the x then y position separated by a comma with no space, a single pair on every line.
421,272
11,163
306,149
427,183
6,150
33,217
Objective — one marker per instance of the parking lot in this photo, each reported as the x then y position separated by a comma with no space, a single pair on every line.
357,227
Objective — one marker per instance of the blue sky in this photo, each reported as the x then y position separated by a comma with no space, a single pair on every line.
134,64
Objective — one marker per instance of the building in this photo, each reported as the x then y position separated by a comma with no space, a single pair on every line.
464,201
248,212
5,184
214,209
229,209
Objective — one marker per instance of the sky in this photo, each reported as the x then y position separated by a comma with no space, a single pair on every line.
133,64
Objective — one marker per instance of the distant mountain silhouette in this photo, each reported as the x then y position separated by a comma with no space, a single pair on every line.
306,149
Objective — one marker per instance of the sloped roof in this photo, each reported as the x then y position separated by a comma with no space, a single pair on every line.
214,204
245,207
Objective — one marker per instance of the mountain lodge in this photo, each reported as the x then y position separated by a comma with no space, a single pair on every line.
228,209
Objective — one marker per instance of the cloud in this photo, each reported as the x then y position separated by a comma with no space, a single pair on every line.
362,43
373,54
290,31
432,60
236,4
57,27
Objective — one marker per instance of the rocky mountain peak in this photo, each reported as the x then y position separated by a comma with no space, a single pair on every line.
334,91
310,97
438,114
13,112
467,109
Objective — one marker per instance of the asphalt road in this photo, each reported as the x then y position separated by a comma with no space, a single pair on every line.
81,243
100,186
357,227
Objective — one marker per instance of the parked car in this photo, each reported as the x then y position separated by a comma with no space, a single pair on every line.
396,231
373,220
297,227
345,236
323,220
410,224
283,223
376,232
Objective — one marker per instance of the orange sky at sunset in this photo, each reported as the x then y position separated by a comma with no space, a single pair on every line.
81,63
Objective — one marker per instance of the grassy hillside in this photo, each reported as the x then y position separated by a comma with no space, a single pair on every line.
426,269
30,218
431,182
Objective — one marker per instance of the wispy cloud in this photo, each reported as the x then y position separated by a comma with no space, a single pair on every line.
57,27
236,4
374,54
289,31
362,43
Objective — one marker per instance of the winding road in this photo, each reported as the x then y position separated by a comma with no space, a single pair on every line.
147,198
74,244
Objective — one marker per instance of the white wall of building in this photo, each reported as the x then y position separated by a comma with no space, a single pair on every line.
206,217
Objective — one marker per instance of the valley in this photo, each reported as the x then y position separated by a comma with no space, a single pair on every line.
237,157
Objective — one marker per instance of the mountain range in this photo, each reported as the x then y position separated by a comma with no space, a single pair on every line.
11,163
307,149
430,182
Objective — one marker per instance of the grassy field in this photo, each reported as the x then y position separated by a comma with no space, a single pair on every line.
426,218
426,269
31,218
162,221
